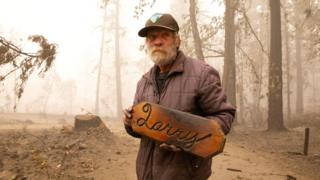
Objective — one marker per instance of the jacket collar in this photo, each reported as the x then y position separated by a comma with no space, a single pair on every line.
177,67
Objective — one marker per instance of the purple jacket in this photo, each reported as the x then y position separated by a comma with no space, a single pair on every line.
192,86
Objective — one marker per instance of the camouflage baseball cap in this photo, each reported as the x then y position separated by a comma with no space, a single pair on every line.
159,20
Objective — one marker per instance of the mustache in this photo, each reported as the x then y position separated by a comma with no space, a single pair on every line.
154,49
157,49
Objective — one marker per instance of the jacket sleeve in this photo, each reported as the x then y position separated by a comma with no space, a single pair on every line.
135,101
213,101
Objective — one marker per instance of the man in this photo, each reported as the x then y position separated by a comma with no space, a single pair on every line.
182,83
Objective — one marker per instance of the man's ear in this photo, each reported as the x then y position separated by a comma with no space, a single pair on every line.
178,41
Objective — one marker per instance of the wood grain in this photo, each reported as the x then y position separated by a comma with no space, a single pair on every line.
194,134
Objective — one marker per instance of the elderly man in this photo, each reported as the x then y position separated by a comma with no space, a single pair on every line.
182,83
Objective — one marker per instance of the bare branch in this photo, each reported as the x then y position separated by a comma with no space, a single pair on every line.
254,33
217,56
25,63
250,60
221,53
15,48
206,47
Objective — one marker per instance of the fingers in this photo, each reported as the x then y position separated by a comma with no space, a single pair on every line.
127,113
126,118
170,147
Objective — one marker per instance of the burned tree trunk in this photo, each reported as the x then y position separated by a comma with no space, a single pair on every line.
118,62
275,108
229,70
195,32
287,67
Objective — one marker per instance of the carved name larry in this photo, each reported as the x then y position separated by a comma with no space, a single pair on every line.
181,137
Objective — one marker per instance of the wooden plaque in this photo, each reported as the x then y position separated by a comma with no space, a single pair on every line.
194,134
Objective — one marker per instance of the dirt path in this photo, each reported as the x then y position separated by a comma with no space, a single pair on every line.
251,155
239,163
245,157
32,152
248,154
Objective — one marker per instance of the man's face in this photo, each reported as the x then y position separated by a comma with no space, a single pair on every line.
162,45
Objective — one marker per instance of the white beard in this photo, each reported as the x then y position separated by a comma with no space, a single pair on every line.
162,56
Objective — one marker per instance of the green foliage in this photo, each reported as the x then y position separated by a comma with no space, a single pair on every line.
24,64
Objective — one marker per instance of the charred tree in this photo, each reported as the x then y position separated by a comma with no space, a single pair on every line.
97,104
195,32
299,102
275,105
118,63
229,70
287,56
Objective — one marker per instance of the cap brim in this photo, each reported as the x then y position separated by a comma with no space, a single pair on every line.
143,31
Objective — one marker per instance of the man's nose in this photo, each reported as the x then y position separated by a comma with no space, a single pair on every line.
158,41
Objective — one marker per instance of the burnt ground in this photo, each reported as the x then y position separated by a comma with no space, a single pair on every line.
35,147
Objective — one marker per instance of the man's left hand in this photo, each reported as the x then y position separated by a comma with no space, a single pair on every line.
170,147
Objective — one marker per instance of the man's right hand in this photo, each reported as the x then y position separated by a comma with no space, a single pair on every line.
126,118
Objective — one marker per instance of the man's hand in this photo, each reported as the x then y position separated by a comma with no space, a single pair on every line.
170,147
126,117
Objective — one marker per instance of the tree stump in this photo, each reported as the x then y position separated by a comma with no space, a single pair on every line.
87,121
1,164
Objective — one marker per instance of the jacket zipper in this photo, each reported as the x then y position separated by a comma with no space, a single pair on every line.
155,86
156,91
158,94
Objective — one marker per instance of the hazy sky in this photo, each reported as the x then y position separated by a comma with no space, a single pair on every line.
70,24
75,25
